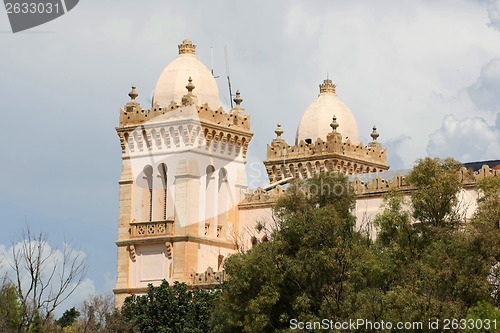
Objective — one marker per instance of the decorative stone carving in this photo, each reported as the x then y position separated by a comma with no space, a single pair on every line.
131,249
209,277
155,228
333,155
169,249
187,46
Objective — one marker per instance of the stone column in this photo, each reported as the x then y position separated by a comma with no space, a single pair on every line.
187,200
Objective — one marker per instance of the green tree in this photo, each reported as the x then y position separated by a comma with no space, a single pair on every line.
434,264
68,317
481,312
37,324
10,307
310,269
428,261
170,309
485,227
436,184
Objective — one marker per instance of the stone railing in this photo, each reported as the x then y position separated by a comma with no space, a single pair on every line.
134,114
376,185
384,185
209,277
153,228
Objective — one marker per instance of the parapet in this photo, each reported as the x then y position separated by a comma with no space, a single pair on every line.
132,114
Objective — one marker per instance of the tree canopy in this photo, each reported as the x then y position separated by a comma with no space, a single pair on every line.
427,262
172,309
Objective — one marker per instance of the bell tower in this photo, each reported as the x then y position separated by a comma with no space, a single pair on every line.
183,175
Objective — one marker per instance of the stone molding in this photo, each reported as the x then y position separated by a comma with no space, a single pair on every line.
208,278
175,239
305,160
377,186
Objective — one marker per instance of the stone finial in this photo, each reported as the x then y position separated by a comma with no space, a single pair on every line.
374,134
187,47
334,125
133,94
189,98
238,99
279,131
327,87
190,86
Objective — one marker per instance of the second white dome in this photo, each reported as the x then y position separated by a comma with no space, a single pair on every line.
315,123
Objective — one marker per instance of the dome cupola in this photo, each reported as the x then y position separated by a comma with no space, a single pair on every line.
171,85
315,122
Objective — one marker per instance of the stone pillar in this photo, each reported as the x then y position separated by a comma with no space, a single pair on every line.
187,200
124,214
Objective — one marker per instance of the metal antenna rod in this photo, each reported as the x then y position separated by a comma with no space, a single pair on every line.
212,59
228,79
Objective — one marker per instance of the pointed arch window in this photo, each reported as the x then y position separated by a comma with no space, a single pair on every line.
163,170
148,177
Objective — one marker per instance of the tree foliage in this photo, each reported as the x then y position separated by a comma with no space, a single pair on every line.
170,309
68,317
10,307
484,310
311,268
427,262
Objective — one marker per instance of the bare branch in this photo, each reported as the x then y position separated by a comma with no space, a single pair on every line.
45,276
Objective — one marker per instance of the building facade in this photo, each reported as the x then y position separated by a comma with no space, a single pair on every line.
184,204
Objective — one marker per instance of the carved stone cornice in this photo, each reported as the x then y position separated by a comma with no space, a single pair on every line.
173,239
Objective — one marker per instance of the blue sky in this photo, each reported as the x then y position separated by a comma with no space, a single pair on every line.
427,73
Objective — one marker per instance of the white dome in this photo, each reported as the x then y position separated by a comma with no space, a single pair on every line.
315,122
171,85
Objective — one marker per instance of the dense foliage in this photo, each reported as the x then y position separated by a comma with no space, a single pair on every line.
68,318
10,307
170,309
428,261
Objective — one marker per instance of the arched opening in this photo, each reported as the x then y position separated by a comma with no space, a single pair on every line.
309,170
220,260
292,170
148,193
162,171
210,200
224,202
318,168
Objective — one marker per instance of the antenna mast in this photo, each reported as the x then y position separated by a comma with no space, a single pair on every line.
228,79
212,60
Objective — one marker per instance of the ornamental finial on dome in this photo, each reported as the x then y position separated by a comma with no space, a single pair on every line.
279,131
334,125
238,99
133,94
189,98
187,47
327,87
190,86
374,134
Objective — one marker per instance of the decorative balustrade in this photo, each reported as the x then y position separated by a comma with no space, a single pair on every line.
209,277
152,228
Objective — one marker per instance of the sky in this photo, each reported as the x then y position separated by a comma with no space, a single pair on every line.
427,73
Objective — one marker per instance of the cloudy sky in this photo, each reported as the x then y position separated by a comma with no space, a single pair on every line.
427,73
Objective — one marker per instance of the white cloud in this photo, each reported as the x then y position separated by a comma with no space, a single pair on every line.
395,148
485,92
493,9
469,139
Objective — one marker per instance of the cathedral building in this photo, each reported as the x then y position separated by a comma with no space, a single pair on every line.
184,204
